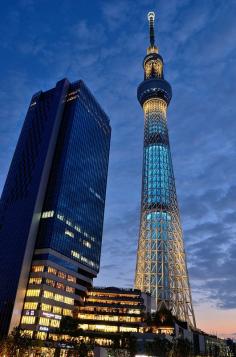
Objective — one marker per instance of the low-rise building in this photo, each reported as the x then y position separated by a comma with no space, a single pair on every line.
113,309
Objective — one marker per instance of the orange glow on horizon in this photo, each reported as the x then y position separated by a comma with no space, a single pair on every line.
215,321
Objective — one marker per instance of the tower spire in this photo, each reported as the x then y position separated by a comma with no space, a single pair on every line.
151,18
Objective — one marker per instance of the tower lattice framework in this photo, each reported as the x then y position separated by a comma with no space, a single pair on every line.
161,263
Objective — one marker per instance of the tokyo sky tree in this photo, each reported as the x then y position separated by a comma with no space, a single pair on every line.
161,264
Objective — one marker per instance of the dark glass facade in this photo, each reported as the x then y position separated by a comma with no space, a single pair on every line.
52,207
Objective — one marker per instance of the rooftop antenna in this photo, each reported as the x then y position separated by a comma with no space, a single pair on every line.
152,48
151,18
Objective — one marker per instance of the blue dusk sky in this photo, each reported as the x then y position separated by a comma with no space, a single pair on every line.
103,43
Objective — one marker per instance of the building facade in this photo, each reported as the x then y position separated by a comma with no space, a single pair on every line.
113,310
52,209
161,263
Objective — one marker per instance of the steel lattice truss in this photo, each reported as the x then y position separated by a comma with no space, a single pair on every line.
161,265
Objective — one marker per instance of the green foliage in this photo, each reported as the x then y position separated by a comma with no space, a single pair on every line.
160,347
124,344
182,347
162,317
69,325
16,344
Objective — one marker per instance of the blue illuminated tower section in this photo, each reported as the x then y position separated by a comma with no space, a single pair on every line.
161,265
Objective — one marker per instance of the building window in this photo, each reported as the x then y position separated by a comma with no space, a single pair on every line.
50,282
67,312
35,281
33,292
60,286
44,321
68,223
69,301
61,275
52,270
128,329
46,307
30,306
48,214
71,278
69,233
37,268
69,289
48,294
59,216
56,310
59,297
77,228
86,244
54,323
28,333
30,320
41,335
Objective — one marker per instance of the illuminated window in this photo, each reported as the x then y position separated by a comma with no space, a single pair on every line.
83,259
52,270
48,214
59,216
55,323
69,233
105,328
44,321
77,228
69,301
56,310
28,333
75,254
53,336
68,222
59,297
50,282
41,335
37,268
33,292
157,66
67,312
48,294
86,244
30,305
71,278
30,320
153,68
46,307
35,280
128,329
60,286
69,289
61,275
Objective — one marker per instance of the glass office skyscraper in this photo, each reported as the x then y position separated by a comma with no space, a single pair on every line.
161,264
52,209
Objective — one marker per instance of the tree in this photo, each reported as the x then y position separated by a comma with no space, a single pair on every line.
69,325
182,347
160,347
16,344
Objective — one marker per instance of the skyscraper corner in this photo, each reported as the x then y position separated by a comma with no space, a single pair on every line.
161,262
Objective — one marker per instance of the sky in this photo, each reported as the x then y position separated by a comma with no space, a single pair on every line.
104,43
